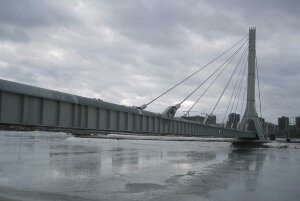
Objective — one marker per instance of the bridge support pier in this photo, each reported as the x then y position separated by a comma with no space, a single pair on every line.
250,120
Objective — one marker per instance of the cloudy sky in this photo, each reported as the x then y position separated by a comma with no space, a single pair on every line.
129,51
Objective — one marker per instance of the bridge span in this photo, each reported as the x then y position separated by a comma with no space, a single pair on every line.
32,106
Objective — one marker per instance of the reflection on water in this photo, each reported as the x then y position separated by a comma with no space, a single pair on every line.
221,175
188,157
124,159
64,160
112,169
249,162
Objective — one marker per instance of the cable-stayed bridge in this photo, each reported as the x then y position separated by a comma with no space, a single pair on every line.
37,107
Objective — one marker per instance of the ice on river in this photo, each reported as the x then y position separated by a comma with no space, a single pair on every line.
57,166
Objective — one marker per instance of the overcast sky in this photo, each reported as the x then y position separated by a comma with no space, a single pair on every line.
128,52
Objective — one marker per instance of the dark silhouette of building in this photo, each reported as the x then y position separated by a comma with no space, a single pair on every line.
233,120
211,119
297,120
283,123
270,129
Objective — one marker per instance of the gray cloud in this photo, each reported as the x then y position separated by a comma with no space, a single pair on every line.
32,13
128,52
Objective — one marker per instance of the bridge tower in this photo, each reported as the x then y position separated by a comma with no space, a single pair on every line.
250,118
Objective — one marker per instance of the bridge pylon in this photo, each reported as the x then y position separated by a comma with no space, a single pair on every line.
250,120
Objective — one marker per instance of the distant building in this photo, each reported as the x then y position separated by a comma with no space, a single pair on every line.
297,120
270,129
211,119
233,120
283,123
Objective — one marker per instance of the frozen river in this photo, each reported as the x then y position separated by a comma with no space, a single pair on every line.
57,166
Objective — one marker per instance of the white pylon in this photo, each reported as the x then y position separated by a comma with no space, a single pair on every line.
250,114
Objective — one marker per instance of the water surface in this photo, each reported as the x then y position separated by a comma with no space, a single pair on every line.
57,166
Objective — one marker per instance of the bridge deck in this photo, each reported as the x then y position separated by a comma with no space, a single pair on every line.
27,105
